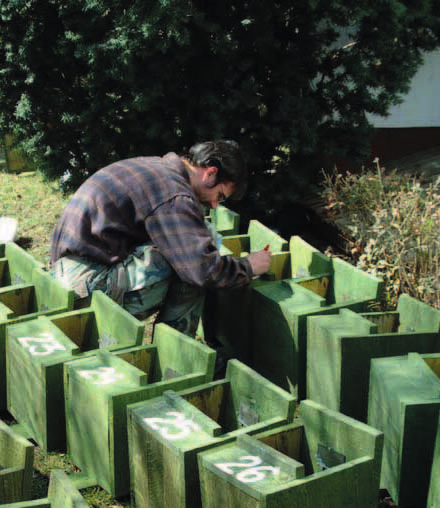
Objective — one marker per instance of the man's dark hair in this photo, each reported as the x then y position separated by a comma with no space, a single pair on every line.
226,156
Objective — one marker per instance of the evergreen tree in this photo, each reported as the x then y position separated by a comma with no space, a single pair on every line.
87,82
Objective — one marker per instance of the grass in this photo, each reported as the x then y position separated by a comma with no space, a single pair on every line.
36,204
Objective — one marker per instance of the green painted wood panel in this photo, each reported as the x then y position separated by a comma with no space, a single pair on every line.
416,316
43,297
306,260
61,494
228,312
225,221
278,330
97,440
35,352
245,473
340,461
404,402
434,483
16,466
341,346
279,324
103,325
20,265
166,434
44,345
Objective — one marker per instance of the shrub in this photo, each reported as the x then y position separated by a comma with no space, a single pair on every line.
85,82
393,222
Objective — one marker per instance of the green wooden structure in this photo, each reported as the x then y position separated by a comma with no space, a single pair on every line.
20,303
108,383
323,459
280,310
16,265
16,466
341,346
62,494
14,157
434,489
167,433
228,312
37,350
225,221
404,402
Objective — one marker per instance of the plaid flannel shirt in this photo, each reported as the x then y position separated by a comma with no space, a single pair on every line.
145,200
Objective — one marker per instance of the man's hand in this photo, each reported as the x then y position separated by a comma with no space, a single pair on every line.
260,261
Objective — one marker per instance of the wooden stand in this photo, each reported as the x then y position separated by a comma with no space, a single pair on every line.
37,351
341,346
322,459
99,389
166,434
404,402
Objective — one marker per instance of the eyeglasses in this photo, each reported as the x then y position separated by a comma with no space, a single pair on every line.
222,196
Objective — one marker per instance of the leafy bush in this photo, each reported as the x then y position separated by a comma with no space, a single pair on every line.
86,82
393,222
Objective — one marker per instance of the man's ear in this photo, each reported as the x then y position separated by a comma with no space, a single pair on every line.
210,176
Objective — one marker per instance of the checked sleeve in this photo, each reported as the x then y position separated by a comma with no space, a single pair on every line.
178,229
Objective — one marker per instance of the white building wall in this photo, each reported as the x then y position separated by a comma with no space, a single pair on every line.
421,107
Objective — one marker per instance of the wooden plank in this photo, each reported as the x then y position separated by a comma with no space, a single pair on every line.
21,264
163,452
110,384
5,279
16,459
433,361
386,322
226,221
327,360
434,484
141,357
62,493
78,325
404,403
50,295
178,354
334,451
288,439
19,298
279,266
319,284
5,313
244,473
279,352
227,314
102,325
114,324
306,260
350,284
281,303
417,316
339,350
35,352
260,235
236,244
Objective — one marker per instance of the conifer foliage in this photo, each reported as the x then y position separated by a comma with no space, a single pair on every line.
87,82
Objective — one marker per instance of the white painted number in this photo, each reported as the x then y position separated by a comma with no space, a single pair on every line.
101,375
176,427
251,470
43,345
